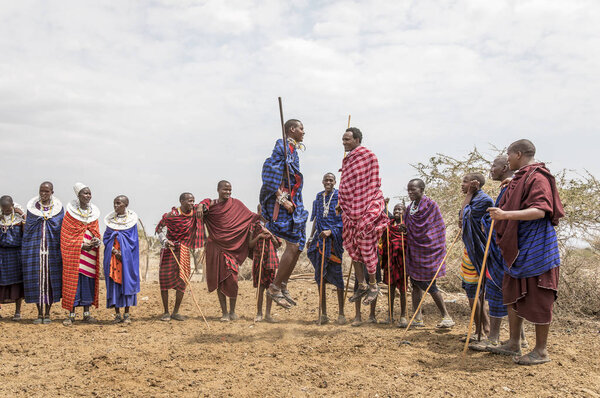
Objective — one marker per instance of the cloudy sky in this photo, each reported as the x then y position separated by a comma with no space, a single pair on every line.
152,98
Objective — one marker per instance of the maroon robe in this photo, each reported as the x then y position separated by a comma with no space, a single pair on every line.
228,225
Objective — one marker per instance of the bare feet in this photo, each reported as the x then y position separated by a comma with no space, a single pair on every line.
356,322
258,318
372,319
166,317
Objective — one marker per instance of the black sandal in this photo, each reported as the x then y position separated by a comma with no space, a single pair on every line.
287,296
278,298
371,294
359,293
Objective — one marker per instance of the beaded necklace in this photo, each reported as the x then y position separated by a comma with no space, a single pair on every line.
87,213
5,221
47,209
295,144
414,208
326,204
120,219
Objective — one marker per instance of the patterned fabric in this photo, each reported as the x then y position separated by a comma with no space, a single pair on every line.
11,270
334,249
42,261
72,237
228,225
186,232
122,293
291,227
468,272
495,264
269,262
397,243
473,235
87,259
116,266
426,240
182,229
362,204
86,291
493,295
530,248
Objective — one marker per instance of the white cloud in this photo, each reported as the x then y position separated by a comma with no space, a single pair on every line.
154,98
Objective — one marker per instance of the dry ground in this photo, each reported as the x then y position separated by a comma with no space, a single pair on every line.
292,358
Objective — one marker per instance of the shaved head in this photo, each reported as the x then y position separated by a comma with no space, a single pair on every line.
524,146
124,199
222,182
501,160
476,176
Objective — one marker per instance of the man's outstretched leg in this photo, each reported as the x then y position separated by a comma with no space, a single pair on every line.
278,289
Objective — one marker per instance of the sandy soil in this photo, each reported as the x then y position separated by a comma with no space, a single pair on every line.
292,358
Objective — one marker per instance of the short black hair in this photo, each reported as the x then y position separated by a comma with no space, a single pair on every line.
356,133
48,183
524,146
291,123
6,199
222,182
125,199
329,174
476,176
183,195
420,183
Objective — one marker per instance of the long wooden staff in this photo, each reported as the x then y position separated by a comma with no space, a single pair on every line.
285,145
481,275
321,282
187,282
350,270
260,274
389,270
431,283
403,255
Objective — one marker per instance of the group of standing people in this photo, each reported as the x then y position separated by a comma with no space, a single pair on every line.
49,252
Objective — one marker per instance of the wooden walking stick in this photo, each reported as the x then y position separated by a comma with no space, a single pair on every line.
285,146
260,275
404,256
389,270
481,275
431,283
350,270
321,282
187,282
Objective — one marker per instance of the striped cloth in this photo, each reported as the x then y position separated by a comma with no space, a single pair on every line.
334,249
494,297
426,241
186,232
87,259
269,262
72,237
397,242
530,248
473,235
362,204
41,257
290,227
468,273
11,270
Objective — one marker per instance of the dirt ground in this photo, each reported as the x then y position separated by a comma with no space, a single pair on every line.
294,357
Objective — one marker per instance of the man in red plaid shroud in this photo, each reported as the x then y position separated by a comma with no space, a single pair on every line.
362,206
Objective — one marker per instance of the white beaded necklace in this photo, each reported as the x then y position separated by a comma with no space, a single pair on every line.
326,204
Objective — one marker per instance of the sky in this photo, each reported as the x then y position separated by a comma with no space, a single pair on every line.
154,98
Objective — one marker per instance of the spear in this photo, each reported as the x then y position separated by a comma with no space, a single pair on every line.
350,270
481,276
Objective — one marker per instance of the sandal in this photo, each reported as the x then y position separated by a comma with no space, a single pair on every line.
403,323
502,350
287,296
530,359
417,324
483,345
446,323
17,317
166,317
39,320
372,294
70,319
278,297
87,318
324,320
178,317
126,318
117,319
47,320
359,293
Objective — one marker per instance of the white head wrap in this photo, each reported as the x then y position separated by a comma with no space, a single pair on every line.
78,187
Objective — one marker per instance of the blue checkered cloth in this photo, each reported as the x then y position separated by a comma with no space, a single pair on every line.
333,271
11,271
30,255
473,234
493,295
291,227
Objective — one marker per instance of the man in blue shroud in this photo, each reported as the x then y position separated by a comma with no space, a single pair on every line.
40,250
499,171
121,259
475,206
327,227
282,206
525,219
